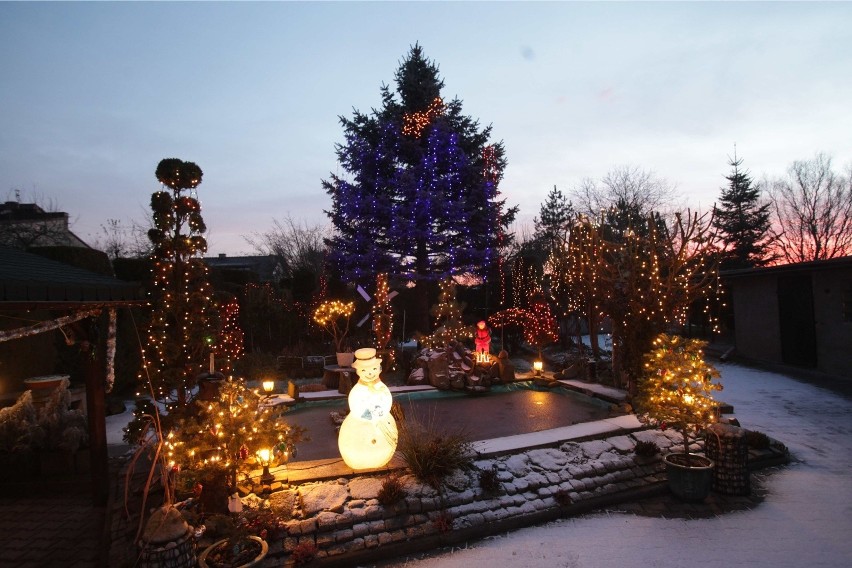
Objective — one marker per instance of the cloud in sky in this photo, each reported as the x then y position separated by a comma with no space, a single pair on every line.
94,95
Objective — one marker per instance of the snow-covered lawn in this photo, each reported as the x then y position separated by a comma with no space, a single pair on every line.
804,521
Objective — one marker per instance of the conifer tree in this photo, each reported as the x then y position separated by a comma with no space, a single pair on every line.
743,222
418,199
180,333
554,217
448,316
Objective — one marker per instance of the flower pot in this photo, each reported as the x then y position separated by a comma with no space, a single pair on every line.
43,387
345,359
690,476
207,558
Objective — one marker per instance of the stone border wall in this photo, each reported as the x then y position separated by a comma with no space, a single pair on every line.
346,523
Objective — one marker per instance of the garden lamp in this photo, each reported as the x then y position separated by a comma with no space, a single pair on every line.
264,457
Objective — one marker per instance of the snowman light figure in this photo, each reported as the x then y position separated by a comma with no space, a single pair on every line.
368,435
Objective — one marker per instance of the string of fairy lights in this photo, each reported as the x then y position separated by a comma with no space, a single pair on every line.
382,313
413,123
333,317
448,316
230,343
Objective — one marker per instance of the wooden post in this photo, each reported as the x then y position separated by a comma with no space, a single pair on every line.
94,371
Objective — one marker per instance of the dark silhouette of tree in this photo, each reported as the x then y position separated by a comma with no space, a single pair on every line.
742,221
812,209
555,214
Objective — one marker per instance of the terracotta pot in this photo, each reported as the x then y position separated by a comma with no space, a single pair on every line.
264,548
345,359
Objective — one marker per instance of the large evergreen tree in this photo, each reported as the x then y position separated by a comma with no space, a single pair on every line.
743,222
180,333
419,198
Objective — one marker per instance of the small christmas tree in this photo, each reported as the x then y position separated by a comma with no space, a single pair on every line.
223,437
677,390
448,313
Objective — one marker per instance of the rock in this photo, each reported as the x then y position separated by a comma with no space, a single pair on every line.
282,503
417,377
594,448
165,525
505,369
439,371
323,497
518,464
365,487
549,459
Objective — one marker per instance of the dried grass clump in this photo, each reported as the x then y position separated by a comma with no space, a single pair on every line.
433,455
391,491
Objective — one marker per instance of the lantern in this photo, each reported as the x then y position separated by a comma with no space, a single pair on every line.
538,367
264,456
368,435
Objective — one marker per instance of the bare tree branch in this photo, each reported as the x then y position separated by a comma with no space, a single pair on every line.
812,209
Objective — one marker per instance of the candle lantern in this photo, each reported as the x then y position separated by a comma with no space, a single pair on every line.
368,435
538,367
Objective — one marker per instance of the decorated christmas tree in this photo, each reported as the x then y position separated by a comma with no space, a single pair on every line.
225,437
448,317
180,333
418,198
677,389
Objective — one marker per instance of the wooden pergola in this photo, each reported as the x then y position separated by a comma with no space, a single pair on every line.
30,282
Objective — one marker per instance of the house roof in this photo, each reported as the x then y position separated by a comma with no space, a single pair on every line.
264,266
814,265
34,281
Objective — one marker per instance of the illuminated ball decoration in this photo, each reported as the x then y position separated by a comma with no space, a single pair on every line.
368,435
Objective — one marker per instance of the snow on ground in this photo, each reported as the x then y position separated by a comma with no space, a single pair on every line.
805,519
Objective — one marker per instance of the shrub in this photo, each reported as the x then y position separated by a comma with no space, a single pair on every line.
488,481
563,498
391,491
443,522
432,455
757,440
304,552
646,449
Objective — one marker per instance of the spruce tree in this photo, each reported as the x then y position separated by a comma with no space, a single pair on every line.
554,217
743,222
418,199
180,334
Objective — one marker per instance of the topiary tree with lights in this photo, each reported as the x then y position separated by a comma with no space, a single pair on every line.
333,317
677,390
180,333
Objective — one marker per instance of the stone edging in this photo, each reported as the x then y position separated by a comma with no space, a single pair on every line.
345,522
